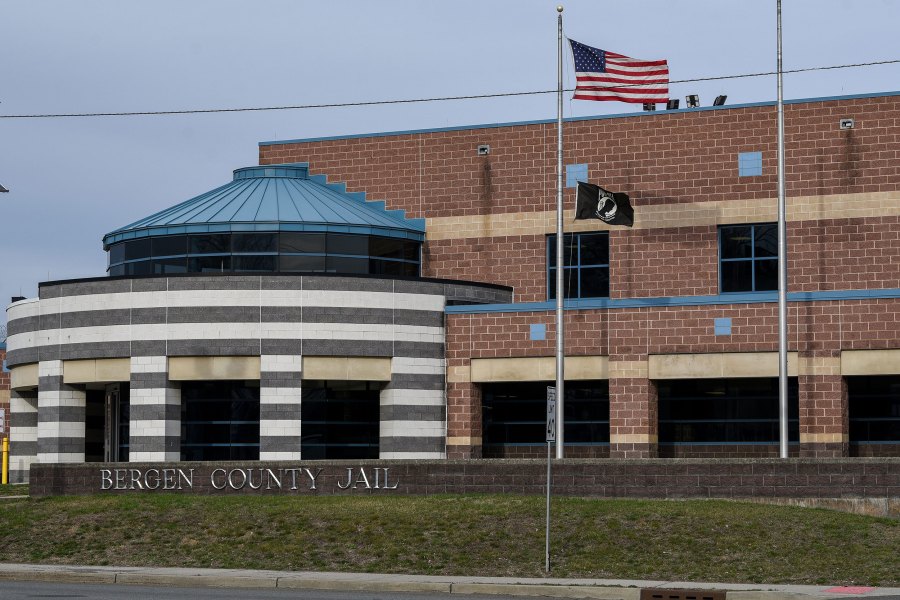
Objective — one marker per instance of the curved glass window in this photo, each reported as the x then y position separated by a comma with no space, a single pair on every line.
252,252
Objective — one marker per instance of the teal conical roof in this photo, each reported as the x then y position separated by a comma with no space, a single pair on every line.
275,198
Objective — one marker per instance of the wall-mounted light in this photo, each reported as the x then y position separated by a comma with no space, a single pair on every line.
720,100
692,101
484,150
847,123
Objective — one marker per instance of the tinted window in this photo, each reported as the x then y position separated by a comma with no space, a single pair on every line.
586,260
219,420
254,263
170,265
340,264
737,242
143,267
137,249
340,419
386,247
214,243
209,264
725,411
874,407
312,243
254,242
748,260
169,245
514,413
301,263
347,244
117,253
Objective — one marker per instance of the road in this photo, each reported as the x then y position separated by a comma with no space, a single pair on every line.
21,590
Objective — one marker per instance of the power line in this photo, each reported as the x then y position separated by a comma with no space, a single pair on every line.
412,100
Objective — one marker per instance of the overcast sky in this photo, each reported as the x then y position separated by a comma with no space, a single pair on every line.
73,180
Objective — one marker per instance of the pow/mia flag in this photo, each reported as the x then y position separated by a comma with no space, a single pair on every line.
593,202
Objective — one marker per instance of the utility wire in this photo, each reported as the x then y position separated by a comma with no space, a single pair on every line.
410,101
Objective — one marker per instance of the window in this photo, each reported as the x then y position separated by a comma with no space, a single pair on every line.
724,411
748,258
269,252
340,419
515,413
137,249
585,265
170,245
220,420
874,407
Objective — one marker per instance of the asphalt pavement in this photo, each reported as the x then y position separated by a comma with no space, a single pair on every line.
605,589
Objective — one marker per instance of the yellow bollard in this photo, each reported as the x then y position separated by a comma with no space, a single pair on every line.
5,479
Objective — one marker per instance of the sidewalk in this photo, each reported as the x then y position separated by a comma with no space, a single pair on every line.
606,589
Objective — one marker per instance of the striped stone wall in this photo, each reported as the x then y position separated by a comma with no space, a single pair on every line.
154,321
61,417
236,316
414,409
155,418
23,433
279,406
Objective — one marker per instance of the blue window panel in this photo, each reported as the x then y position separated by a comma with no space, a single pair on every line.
576,173
750,164
538,332
722,326
6,369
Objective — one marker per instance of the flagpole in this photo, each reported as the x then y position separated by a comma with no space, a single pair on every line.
782,270
560,333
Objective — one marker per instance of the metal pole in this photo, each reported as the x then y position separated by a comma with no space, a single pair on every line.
560,333
547,535
5,477
782,271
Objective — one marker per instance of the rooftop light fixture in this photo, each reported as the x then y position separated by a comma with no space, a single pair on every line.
673,104
649,106
720,100
692,101
3,189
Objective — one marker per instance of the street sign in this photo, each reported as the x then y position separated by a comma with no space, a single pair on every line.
551,414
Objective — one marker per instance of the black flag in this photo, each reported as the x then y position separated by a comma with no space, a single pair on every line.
593,202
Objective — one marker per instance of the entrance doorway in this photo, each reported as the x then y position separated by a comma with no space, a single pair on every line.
116,422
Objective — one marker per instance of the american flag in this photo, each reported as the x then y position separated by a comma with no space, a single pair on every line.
604,75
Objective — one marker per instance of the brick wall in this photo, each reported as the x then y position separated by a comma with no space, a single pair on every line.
660,160
746,478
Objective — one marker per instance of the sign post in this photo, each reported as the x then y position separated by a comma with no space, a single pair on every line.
551,437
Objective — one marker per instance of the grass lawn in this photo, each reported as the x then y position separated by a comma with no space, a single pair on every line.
13,490
703,540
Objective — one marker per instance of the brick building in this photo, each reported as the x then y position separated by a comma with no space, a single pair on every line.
435,337
680,318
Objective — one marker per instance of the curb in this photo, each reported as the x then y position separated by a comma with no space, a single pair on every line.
195,581
59,576
606,590
290,583
544,590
